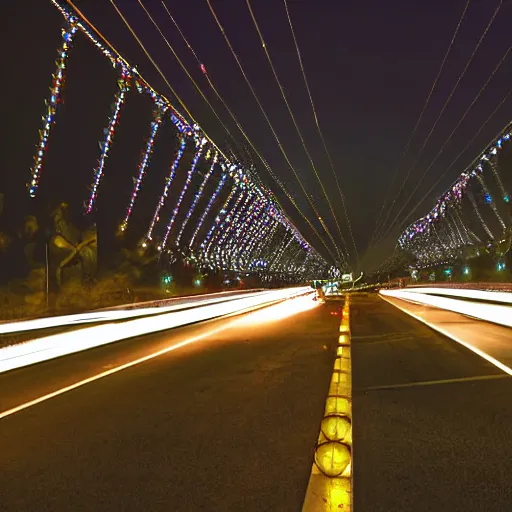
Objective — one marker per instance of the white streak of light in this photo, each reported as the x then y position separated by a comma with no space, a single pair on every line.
109,315
110,372
279,311
448,334
504,297
489,312
50,347
130,364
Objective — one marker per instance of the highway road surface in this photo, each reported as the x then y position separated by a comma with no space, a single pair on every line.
432,420
224,415
226,423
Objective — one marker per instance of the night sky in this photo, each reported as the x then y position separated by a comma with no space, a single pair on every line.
370,67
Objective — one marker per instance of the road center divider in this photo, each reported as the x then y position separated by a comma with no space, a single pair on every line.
330,482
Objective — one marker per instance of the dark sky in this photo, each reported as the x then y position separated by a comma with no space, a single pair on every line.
370,66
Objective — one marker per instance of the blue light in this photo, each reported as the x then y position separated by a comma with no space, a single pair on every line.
488,198
506,198
500,266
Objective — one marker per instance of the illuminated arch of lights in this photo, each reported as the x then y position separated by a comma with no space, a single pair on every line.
474,214
250,232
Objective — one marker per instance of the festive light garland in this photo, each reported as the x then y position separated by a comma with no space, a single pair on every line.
232,221
249,221
198,196
58,81
490,200
168,183
124,85
206,242
254,244
158,118
214,196
200,143
130,76
455,193
241,223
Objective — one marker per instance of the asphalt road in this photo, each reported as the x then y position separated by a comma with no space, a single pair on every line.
226,423
422,443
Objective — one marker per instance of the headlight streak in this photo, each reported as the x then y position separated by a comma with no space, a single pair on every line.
234,323
466,293
58,345
110,315
497,314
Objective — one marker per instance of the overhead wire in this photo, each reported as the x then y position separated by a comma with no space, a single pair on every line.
132,31
486,30
281,148
418,121
205,73
320,133
299,133
466,147
447,140
221,99
155,24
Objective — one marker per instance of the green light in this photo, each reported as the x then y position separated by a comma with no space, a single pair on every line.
197,282
466,271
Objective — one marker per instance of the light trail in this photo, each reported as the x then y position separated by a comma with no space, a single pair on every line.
480,339
112,315
494,313
58,345
490,296
295,306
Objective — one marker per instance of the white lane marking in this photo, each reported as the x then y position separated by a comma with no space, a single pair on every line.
448,334
58,345
136,362
434,382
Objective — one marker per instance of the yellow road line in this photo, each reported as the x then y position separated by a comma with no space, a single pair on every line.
330,482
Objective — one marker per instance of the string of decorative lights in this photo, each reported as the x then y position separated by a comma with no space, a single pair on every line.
200,143
230,225
416,125
456,190
303,142
250,220
466,147
167,112
168,184
58,81
480,218
184,106
197,197
281,148
447,139
158,118
489,200
246,217
124,85
213,198
443,108
205,245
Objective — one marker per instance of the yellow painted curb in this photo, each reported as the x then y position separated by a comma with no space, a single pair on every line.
330,482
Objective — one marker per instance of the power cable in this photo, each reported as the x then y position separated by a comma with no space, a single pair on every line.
445,105
299,133
320,133
420,117
221,28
